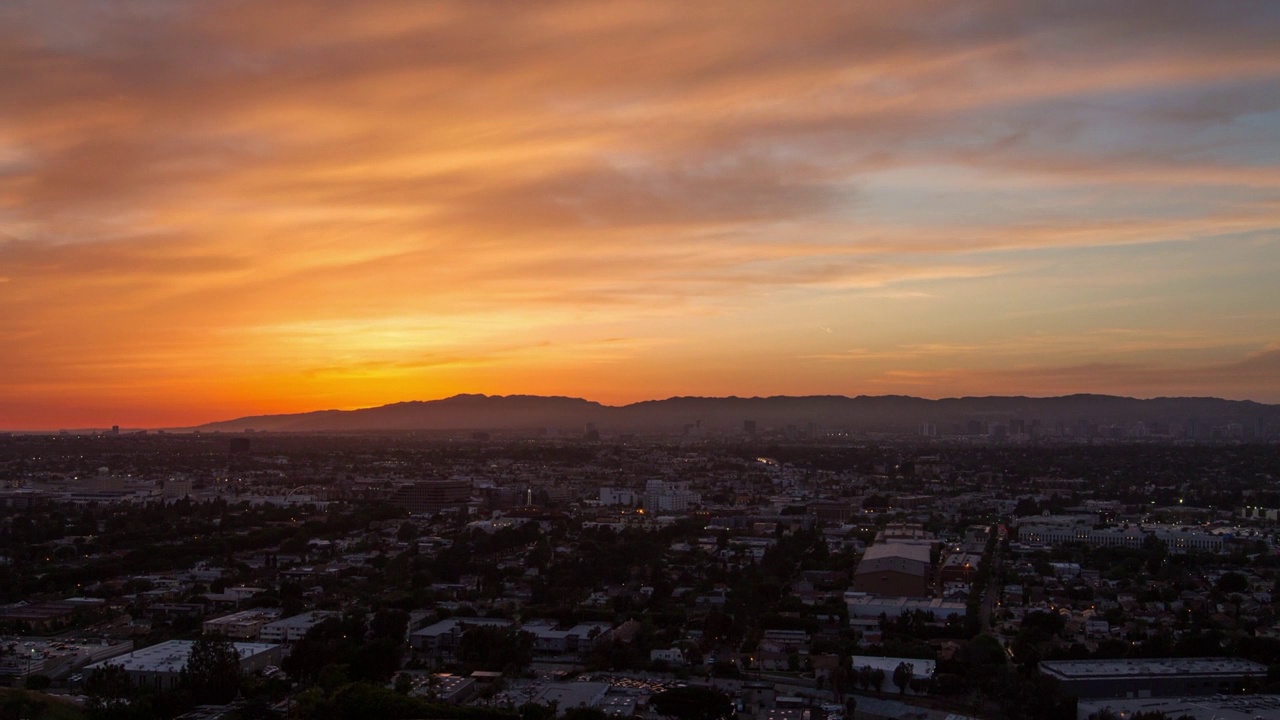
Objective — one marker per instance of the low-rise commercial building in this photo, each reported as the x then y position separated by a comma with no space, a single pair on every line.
1234,707
293,629
894,568
243,625
1177,540
159,666
442,638
871,607
549,639
1159,677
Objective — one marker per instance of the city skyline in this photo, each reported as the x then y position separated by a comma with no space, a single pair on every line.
213,210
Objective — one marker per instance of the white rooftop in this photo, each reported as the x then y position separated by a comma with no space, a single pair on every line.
304,620
1215,707
1138,667
910,551
172,656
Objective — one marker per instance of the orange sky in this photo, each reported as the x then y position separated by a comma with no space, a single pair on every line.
213,209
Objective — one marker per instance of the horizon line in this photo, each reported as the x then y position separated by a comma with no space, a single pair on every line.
196,427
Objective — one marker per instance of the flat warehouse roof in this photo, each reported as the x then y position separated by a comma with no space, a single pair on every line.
1167,667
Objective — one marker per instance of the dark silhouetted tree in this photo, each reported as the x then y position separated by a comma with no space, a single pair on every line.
902,676
1231,582
213,670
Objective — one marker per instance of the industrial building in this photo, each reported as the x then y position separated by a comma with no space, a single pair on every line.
1216,707
871,607
159,666
243,625
442,638
565,696
293,629
895,569
1147,678
1176,539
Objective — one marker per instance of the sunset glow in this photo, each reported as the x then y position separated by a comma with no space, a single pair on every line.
215,209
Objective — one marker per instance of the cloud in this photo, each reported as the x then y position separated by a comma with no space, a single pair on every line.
1255,376
175,175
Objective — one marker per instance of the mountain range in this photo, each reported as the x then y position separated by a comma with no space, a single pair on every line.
890,413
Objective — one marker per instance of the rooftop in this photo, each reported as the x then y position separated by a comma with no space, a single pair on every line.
172,656
1216,707
1097,669
908,551
306,619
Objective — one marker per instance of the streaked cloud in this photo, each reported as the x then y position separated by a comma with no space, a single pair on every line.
285,206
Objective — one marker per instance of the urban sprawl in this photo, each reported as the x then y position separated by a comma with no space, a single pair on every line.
762,576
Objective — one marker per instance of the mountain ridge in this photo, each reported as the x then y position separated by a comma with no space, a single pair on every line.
862,412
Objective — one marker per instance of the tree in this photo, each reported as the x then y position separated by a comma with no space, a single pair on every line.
1232,582
108,691
841,678
333,676
362,700
389,624
693,703
495,648
1154,552
866,678
213,670
408,532
20,704
536,711
902,676
37,682
1026,506
311,703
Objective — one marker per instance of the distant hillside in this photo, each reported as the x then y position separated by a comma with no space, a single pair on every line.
862,413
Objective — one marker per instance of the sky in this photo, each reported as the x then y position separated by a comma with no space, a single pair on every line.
214,209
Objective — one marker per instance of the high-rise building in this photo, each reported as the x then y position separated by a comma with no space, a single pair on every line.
433,495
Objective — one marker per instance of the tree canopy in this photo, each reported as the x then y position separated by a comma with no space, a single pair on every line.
213,670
